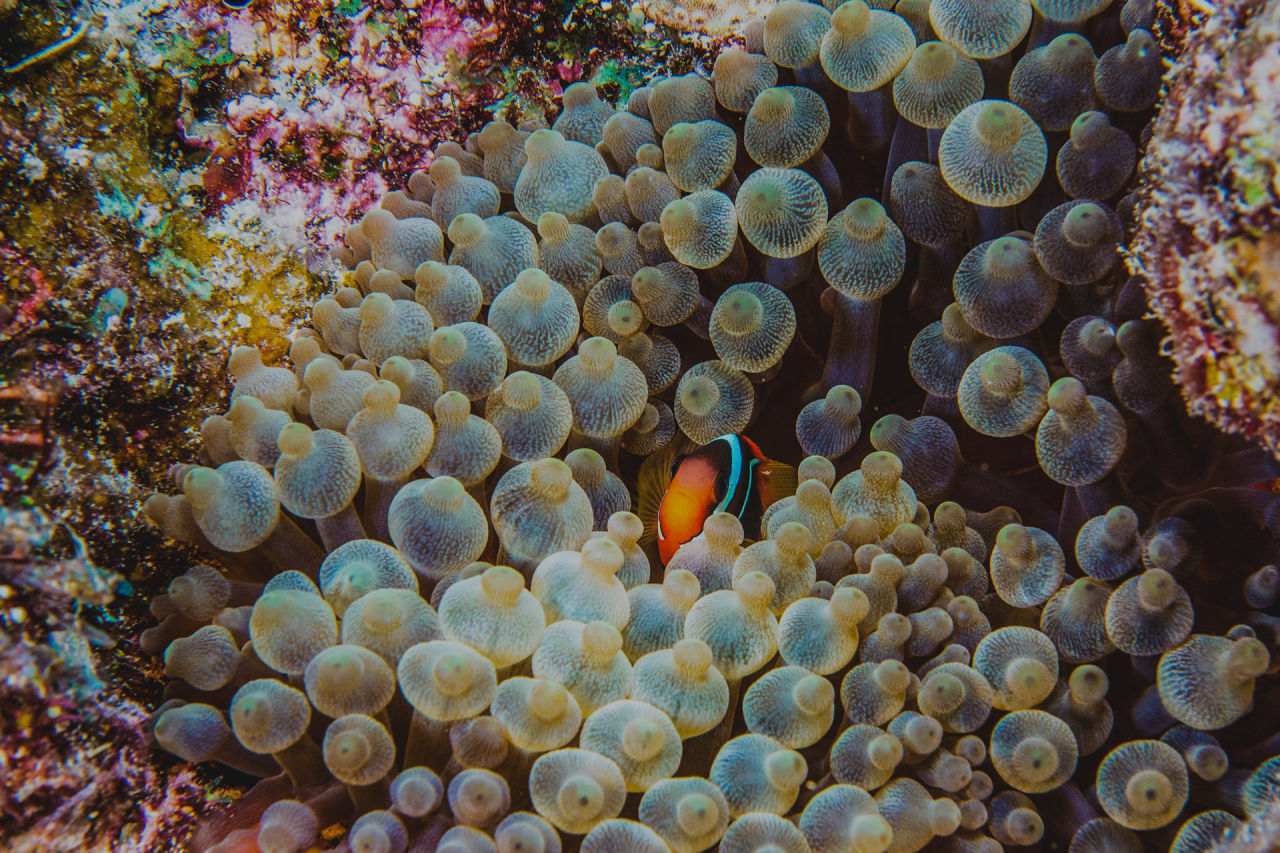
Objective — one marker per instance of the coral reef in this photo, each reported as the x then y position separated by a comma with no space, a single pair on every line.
710,17
1205,235
77,770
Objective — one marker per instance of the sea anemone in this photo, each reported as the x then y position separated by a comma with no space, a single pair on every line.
995,598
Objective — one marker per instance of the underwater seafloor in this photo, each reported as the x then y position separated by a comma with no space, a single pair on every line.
898,663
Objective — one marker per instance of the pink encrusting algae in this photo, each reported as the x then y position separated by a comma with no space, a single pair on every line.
325,140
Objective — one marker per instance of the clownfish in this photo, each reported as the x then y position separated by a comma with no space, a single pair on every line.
678,493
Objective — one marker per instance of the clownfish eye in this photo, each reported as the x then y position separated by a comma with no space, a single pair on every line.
721,486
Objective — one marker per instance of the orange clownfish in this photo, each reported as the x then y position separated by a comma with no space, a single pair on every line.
678,493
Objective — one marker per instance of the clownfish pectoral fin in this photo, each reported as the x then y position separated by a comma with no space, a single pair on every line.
651,486
777,481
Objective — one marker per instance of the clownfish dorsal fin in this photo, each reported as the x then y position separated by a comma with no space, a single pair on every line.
777,480
651,487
